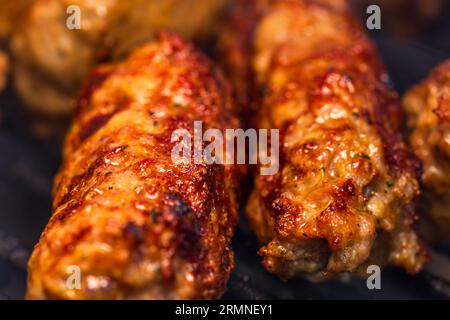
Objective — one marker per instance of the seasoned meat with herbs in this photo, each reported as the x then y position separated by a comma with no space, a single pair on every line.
343,197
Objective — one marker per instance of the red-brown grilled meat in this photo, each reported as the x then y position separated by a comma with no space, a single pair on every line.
343,196
135,223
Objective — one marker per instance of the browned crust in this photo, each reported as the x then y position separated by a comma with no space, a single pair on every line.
343,196
137,224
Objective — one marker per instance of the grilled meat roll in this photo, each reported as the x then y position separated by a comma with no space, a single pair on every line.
343,196
427,106
51,59
136,224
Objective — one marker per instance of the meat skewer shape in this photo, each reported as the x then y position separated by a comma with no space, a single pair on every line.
343,198
131,221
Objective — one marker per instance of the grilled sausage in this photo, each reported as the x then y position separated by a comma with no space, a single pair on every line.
343,196
427,106
136,224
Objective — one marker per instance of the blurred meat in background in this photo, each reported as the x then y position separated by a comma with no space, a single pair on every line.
427,106
50,60
11,12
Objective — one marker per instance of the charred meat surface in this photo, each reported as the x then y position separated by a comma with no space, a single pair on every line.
427,106
343,197
136,224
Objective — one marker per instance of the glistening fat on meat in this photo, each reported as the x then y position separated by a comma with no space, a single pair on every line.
344,197
136,224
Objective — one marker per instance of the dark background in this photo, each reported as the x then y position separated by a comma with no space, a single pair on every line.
28,164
